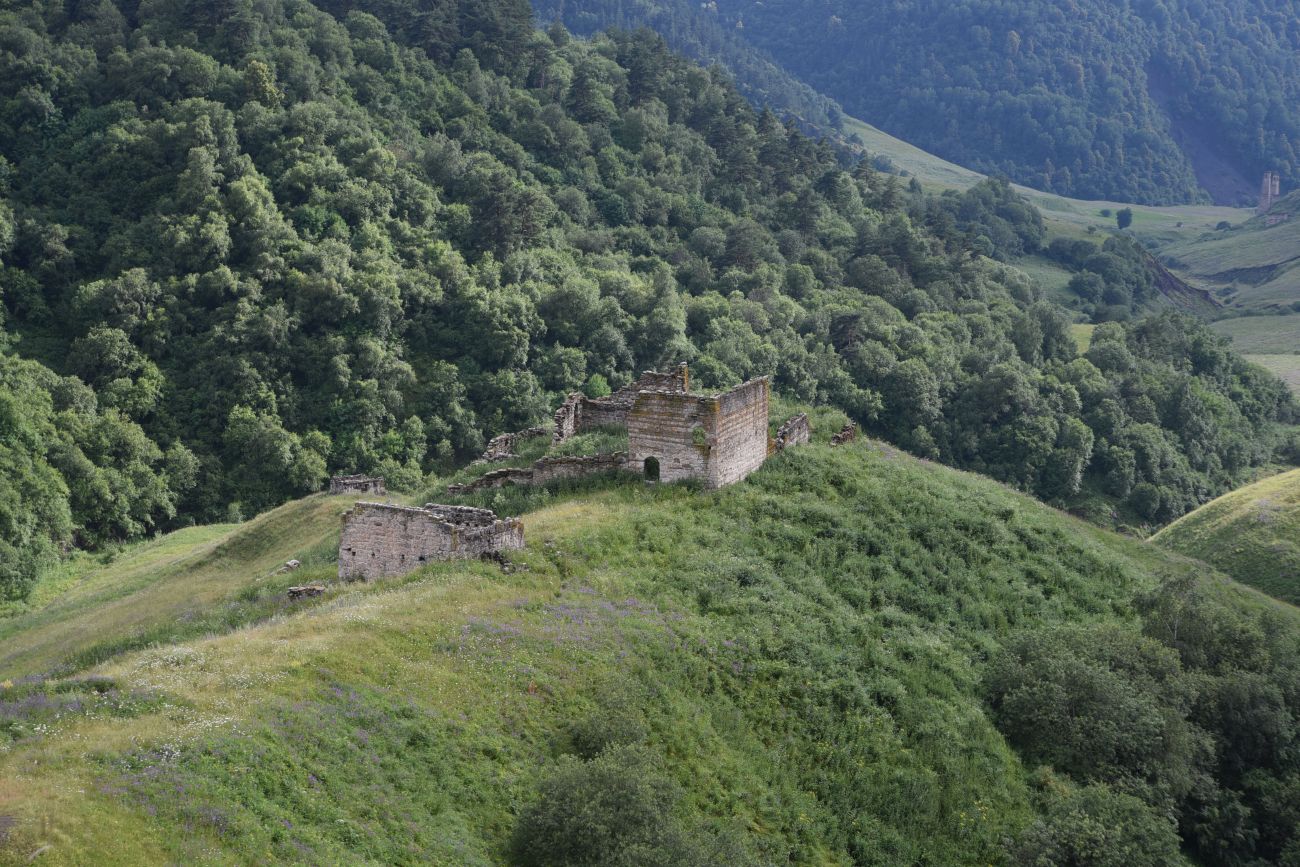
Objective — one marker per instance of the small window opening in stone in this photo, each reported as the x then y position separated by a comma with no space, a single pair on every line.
652,469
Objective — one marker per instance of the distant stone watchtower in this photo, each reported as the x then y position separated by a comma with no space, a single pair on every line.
1269,191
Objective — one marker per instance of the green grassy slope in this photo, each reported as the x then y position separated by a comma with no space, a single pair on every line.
187,583
1255,268
1159,227
1064,216
1252,534
1262,335
1270,341
803,651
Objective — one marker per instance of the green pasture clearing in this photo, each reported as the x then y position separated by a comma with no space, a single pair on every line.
1262,335
1252,534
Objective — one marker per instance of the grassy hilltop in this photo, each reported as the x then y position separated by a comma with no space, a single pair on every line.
828,663
1252,534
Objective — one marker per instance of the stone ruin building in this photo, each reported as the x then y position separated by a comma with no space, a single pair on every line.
502,448
382,540
673,433
795,432
580,413
545,470
1269,191
357,485
720,439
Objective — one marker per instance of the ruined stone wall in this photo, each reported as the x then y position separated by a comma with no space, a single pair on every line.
382,540
502,447
579,413
566,417
357,485
795,432
545,470
740,437
557,468
663,425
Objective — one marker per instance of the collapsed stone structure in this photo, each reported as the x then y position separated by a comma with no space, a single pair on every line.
672,434
357,485
795,432
719,439
502,448
545,470
580,413
1269,191
381,540
846,435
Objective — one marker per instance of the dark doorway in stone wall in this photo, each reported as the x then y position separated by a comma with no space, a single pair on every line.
652,469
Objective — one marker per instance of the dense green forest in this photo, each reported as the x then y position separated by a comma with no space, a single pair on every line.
693,29
246,245
1152,101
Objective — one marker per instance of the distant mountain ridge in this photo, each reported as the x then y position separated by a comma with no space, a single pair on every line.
1157,103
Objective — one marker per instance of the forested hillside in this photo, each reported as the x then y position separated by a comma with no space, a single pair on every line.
695,30
247,245
1157,101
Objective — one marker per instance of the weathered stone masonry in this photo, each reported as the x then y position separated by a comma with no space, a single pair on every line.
795,432
720,438
544,471
357,485
580,413
382,540
502,448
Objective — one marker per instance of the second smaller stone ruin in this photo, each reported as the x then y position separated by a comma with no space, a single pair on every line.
357,485
382,540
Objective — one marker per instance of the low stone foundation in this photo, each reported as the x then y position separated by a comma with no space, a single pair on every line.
544,471
382,540
357,485
847,434
795,432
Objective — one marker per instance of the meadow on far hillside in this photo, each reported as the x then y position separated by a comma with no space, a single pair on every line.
1273,342
854,656
1252,534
